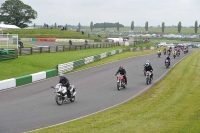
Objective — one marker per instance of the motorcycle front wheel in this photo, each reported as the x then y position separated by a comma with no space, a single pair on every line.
72,99
118,85
147,81
59,100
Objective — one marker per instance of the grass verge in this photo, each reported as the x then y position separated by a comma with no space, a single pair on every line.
172,105
28,64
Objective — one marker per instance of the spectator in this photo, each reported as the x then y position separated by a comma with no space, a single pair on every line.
86,42
82,32
70,42
20,44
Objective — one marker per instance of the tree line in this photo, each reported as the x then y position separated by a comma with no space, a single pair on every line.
15,12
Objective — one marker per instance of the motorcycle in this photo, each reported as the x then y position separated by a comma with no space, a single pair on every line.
167,63
159,54
174,55
64,95
148,77
120,82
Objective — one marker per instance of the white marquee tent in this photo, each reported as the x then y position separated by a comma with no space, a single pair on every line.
6,26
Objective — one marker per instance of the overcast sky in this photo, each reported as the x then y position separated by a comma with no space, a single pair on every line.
123,11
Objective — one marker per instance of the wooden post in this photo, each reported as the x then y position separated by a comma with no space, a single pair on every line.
31,50
40,49
56,48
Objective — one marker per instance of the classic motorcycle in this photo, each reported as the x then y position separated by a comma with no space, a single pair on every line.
148,77
64,95
120,82
167,63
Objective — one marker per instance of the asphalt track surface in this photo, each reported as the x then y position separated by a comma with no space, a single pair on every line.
33,106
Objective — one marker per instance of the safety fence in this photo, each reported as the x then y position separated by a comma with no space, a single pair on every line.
59,48
63,68
18,81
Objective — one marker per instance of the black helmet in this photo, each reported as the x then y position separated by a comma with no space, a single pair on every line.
120,67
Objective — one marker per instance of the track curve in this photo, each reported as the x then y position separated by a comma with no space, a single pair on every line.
33,106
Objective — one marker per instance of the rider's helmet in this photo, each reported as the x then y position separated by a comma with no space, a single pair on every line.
147,64
120,68
61,75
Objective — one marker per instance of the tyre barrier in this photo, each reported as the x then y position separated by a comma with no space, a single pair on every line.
45,39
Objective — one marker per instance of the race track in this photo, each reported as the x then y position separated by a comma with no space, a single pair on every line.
33,106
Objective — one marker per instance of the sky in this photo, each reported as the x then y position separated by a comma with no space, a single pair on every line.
72,12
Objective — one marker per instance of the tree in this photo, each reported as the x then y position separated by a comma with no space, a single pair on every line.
146,26
104,26
79,26
196,26
132,25
163,27
91,26
15,12
66,26
118,26
55,26
179,27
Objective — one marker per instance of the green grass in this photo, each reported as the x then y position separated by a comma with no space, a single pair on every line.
171,106
28,64
49,33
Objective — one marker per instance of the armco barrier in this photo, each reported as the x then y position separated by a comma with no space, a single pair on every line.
51,73
8,83
62,68
46,39
23,80
14,82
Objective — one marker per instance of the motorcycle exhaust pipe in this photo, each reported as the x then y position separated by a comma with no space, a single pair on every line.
74,94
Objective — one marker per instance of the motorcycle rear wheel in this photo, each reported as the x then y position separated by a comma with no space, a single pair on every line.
59,100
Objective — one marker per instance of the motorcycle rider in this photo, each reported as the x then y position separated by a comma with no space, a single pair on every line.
122,71
164,51
174,52
149,68
65,82
169,51
147,61
168,59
